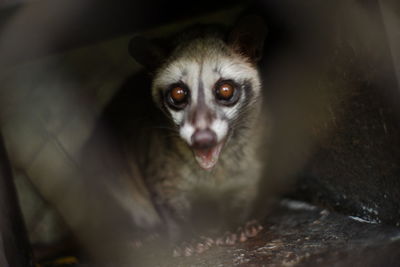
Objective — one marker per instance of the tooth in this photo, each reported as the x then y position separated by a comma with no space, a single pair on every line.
243,237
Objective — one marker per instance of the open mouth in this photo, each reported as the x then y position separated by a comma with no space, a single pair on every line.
208,157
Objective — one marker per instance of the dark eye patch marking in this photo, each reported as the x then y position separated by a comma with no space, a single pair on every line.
241,120
248,89
249,96
201,100
163,104
183,74
217,69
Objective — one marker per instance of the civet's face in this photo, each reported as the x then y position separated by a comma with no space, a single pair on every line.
206,88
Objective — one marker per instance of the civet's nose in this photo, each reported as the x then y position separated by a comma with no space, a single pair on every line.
204,139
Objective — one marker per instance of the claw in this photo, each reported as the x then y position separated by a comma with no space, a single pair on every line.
230,239
252,228
200,248
208,242
243,237
177,252
188,251
219,241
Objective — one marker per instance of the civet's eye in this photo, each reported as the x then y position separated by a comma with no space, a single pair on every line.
177,97
225,92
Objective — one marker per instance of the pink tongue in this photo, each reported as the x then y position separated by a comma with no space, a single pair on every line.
205,155
207,158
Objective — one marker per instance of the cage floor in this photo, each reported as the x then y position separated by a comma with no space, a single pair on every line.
298,234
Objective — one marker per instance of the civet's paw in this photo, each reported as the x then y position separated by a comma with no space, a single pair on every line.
249,230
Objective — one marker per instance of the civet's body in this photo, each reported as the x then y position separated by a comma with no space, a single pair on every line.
197,148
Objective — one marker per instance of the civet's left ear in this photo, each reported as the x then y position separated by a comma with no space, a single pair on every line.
146,52
247,37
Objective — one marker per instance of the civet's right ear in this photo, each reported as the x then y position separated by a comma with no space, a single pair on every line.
147,53
247,37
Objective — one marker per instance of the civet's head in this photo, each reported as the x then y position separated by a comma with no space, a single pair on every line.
207,84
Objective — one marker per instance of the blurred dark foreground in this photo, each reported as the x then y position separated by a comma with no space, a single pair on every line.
331,71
